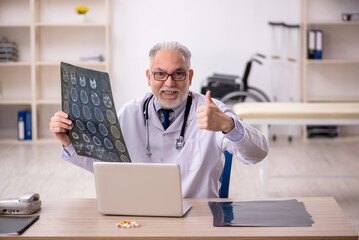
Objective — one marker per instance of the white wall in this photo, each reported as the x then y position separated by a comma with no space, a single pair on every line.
221,34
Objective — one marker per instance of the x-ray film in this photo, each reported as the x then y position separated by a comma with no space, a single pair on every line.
87,98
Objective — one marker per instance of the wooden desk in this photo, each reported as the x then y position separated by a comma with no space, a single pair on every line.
78,218
265,114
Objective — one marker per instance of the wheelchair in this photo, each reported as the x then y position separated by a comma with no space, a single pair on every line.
227,89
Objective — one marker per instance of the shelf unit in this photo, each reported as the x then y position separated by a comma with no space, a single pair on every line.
47,32
335,77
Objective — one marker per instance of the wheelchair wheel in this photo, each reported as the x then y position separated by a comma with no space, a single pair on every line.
235,95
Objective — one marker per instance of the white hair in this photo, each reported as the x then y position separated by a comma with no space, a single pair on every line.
173,46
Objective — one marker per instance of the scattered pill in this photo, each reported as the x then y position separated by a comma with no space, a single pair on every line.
127,224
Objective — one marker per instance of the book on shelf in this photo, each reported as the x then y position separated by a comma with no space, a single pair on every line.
311,44
24,125
315,44
8,50
318,44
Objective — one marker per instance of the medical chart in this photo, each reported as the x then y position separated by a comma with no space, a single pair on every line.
87,98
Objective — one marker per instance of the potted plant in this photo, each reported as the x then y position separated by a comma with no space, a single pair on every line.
81,11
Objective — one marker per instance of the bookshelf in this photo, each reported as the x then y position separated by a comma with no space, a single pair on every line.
335,77
47,32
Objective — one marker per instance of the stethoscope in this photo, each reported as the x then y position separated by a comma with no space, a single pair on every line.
180,140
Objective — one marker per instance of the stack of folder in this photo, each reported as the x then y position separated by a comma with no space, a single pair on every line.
315,44
8,51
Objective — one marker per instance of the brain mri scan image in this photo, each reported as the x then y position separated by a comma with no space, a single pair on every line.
87,99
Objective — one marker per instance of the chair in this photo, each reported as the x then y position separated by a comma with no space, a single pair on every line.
246,90
226,87
226,175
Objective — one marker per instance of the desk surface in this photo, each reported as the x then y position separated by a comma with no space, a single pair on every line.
78,218
297,110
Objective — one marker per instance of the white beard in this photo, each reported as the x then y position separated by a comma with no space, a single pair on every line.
171,104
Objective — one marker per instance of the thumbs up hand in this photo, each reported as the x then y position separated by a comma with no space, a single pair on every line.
210,117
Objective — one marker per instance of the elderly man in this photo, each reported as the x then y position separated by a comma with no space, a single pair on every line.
182,127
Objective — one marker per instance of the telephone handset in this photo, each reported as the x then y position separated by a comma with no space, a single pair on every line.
26,204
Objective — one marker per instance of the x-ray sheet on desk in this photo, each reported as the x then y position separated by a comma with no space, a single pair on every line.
280,213
87,98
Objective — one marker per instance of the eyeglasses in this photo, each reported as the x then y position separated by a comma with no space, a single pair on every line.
163,76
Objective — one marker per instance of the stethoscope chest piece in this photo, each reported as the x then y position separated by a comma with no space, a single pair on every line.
179,142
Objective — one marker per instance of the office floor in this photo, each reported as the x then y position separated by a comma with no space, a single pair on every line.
321,167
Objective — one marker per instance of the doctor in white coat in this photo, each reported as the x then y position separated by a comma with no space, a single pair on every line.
210,128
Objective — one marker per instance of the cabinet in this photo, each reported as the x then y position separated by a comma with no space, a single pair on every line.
47,32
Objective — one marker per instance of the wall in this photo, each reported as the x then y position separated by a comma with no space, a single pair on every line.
221,34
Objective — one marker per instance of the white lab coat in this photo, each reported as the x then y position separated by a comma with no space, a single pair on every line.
201,159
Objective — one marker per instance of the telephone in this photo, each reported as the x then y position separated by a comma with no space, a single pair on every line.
26,204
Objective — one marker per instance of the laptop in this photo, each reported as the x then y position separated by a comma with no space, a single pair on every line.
143,189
